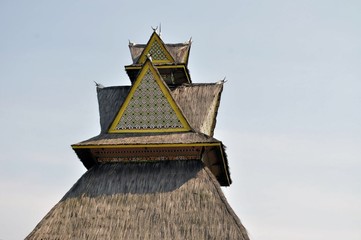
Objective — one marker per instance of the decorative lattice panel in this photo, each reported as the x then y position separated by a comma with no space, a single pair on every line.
157,52
148,108
147,154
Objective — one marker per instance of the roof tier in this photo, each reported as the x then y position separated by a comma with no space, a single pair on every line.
171,60
154,147
198,102
159,200
154,122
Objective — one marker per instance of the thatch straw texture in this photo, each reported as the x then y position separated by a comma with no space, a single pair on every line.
179,51
110,99
158,200
198,102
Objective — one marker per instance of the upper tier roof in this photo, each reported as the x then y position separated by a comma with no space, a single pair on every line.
170,59
178,51
198,102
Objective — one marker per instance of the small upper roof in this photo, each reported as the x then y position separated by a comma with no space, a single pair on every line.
179,52
171,60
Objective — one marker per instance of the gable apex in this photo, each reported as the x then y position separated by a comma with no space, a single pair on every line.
156,50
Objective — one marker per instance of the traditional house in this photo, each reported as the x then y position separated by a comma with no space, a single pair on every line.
155,169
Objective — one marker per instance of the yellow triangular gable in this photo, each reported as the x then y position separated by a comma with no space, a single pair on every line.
156,50
149,107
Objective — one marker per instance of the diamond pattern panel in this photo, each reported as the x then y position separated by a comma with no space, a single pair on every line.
148,108
157,52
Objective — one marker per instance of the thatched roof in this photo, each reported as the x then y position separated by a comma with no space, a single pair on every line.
197,105
155,170
153,200
179,51
110,99
198,102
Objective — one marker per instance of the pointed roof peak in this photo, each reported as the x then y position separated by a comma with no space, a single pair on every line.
175,53
149,107
157,49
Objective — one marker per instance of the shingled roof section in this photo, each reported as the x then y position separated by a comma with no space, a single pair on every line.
198,102
153,200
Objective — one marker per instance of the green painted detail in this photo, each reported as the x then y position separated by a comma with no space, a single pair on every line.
148,108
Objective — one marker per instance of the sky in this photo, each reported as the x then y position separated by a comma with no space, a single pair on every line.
290,113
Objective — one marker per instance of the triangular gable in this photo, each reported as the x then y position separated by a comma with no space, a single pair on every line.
149,107
156,49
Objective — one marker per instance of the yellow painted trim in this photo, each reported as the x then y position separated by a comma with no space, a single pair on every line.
126,102
155,130
133,67
149,145
148,66
161,66
155,38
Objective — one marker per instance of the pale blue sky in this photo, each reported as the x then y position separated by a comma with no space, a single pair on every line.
290,112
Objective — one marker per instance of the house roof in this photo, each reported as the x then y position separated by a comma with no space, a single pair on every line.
198,102
179,51
153,200
170,59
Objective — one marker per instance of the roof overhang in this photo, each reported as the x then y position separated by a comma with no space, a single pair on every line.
211,154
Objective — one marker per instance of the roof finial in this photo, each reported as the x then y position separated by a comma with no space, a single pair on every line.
222,81
160,28
98,85
155,29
